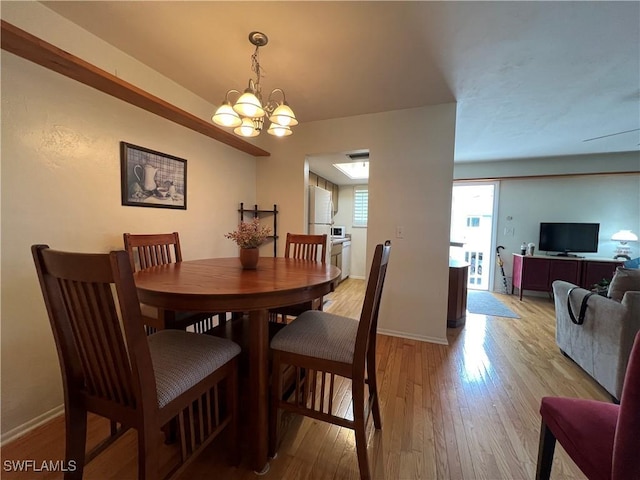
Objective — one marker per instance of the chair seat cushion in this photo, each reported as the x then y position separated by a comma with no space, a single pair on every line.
585,429
319,334
182,359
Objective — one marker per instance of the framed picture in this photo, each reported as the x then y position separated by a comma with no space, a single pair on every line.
152,179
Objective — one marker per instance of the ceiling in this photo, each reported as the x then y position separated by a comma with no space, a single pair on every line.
531,79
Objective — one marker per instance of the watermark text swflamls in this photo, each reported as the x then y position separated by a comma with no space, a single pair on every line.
39,466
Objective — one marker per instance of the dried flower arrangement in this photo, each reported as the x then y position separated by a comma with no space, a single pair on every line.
249,234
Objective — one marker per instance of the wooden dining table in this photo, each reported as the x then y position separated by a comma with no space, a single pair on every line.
221,285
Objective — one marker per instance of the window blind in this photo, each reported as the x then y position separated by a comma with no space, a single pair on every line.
360,206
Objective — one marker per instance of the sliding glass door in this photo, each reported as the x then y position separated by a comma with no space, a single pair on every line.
473,230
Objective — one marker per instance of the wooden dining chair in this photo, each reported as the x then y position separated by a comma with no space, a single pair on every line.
600,437
321,346
149,250
111,368
312,248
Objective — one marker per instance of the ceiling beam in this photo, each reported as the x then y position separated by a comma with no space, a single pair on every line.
32,48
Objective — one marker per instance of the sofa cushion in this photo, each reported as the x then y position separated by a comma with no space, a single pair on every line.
625,279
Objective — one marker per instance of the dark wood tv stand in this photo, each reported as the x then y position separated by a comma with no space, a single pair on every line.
538,272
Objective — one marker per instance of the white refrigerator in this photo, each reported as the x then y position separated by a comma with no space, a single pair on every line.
320,213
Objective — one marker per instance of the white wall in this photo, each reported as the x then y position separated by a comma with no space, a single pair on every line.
577,164
61,186
611,200
411,170
561,189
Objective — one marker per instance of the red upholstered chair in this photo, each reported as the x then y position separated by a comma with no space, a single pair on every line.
603,439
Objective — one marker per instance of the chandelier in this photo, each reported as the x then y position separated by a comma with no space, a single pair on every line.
247,115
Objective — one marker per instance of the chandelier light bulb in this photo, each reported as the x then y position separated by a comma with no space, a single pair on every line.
283,115
247,129
248,105
225,116
279,130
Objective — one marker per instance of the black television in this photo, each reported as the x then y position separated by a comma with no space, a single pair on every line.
569,237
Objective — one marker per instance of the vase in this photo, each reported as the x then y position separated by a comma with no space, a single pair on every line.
249,258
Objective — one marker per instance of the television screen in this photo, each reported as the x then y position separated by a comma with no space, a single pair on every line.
569,237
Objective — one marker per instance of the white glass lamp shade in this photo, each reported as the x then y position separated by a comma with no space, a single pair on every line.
226,116
283,115
624,236
279,130
247,129
248,105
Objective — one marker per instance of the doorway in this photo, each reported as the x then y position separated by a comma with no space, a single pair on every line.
349,186
473,230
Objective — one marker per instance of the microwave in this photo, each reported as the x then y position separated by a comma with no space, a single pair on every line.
338,232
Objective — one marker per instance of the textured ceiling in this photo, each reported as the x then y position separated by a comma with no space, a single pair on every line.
531,79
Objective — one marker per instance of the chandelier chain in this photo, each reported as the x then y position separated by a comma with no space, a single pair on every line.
256,68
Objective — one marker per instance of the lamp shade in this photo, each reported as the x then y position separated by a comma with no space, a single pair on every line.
624,236
247,129
248,105
283,115
279,130
226,116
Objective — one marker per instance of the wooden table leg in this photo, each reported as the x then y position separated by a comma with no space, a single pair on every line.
259,388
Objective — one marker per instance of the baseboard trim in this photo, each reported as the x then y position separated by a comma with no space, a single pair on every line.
25,428
421,338
357,277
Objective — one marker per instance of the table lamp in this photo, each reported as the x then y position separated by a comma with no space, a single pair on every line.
624,237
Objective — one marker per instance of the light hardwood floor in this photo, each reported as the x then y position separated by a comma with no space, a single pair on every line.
468,410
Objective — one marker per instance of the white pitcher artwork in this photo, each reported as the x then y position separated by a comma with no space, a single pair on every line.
146,175
152,179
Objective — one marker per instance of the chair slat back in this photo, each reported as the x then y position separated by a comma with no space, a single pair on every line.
83,294
368,326
152,249
306,247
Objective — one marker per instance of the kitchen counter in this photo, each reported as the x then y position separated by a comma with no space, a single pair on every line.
341,254
337,241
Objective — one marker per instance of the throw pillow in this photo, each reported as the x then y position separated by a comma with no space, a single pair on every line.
633,263
625,279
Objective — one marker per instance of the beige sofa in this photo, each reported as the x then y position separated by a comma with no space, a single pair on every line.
602,344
